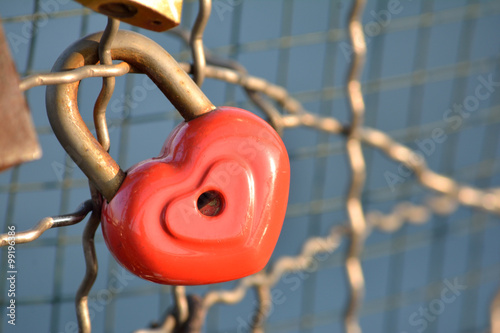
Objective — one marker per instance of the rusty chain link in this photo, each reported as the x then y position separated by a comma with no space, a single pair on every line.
108,86
354,207
189,311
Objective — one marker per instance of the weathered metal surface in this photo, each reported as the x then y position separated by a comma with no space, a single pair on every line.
18,139
156,15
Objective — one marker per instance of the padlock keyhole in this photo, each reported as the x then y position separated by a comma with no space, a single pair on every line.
210,203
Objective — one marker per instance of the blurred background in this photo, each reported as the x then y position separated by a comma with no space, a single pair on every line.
426,62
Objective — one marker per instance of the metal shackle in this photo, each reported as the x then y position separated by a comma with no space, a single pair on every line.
145,56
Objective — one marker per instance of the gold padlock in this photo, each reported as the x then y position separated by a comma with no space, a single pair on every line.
156,15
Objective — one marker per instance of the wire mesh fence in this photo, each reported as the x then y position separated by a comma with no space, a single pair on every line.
389,111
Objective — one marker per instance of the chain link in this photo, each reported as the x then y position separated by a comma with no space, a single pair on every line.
357,223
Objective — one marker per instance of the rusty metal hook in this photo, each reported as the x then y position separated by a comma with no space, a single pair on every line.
145,56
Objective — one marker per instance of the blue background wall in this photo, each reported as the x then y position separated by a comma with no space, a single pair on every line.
420,62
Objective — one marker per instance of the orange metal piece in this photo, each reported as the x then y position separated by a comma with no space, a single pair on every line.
156,15
209,209
18,138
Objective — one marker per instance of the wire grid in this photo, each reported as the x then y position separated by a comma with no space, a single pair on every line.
407,267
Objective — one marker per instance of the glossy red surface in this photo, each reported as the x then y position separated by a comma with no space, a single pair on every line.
153,225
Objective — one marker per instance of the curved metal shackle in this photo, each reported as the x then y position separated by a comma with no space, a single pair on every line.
145,56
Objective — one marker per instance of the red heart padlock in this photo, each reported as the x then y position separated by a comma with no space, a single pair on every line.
210,207
157,226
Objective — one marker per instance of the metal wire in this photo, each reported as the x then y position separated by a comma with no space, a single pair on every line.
108,86
48,223
108,83
81,299
403,212
196,41
273,114
190,312
357,162
464,194
74,75
181,304
486,200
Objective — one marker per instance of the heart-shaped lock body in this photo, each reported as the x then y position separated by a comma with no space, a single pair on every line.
209,209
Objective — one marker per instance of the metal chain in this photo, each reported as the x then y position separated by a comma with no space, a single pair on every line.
484,199
405,212
190,311
354,207
108,84
91,268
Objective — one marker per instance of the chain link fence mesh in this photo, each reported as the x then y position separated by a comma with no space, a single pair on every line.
375,238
